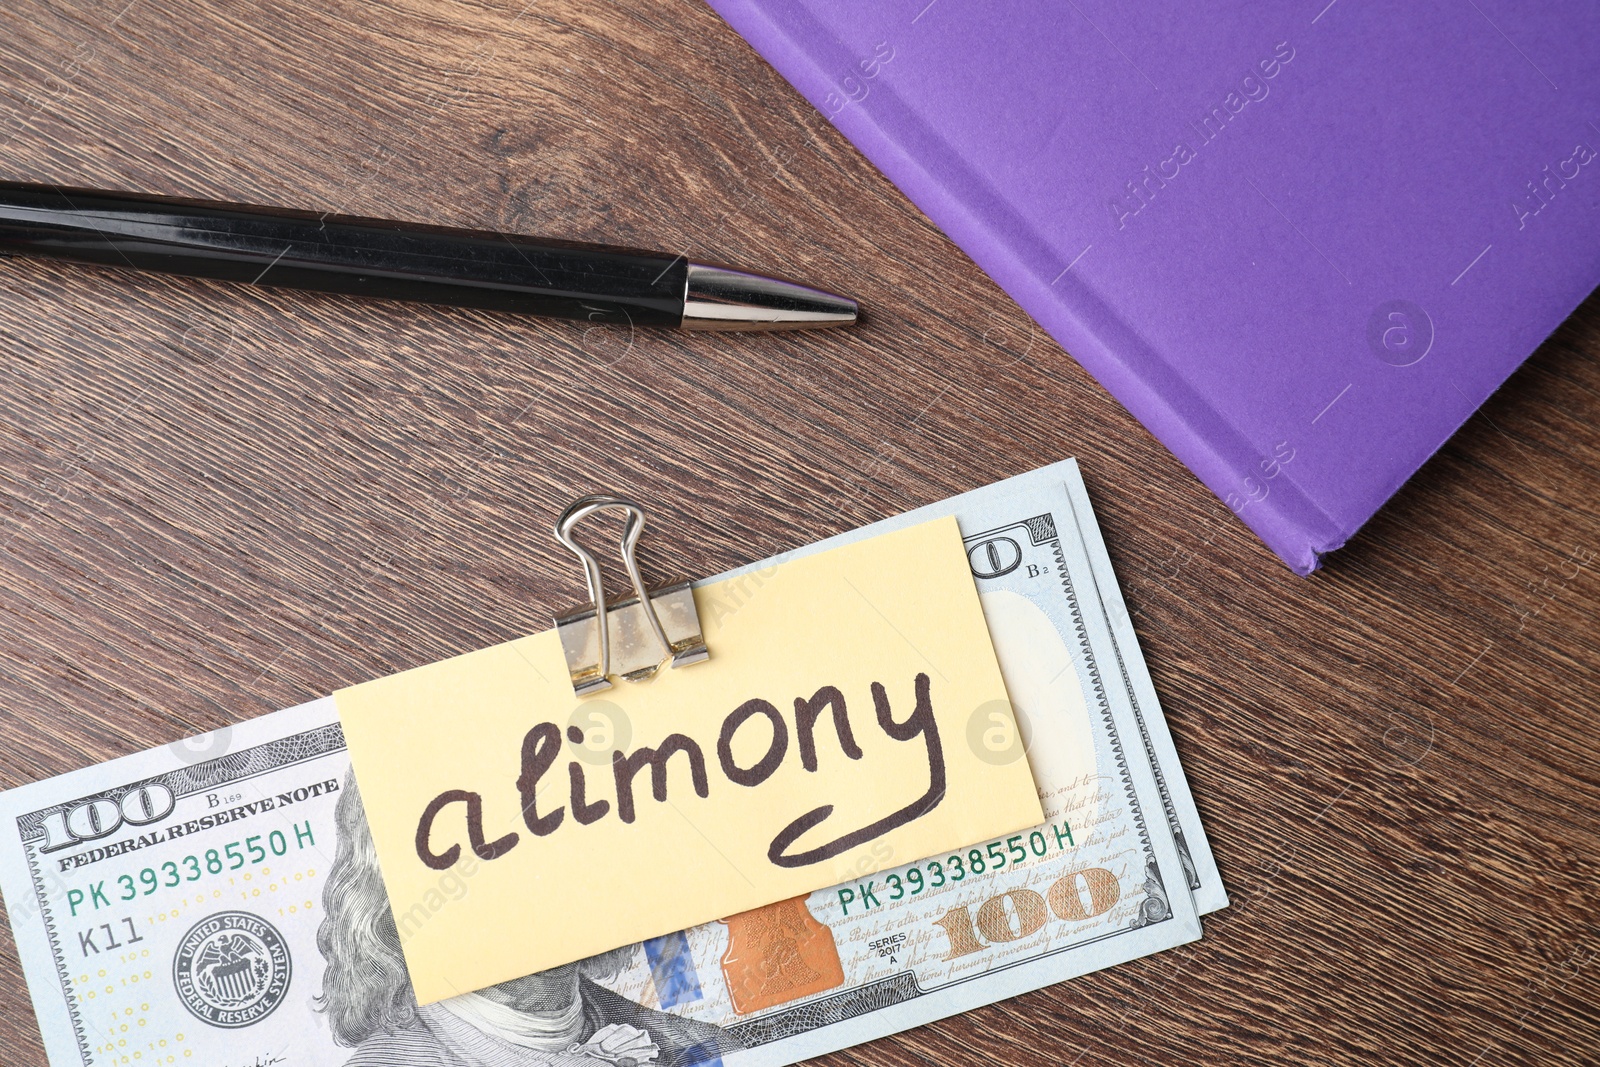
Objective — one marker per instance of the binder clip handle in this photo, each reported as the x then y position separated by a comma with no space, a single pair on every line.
636,636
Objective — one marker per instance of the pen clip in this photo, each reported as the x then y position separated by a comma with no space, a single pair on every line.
637,635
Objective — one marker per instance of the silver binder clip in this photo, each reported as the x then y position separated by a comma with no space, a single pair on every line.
640,633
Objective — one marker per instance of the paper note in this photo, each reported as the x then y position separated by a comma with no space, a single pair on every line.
519,827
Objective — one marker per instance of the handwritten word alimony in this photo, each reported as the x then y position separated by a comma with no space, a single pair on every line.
541,746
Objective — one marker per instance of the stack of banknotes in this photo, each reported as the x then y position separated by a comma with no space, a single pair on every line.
217,901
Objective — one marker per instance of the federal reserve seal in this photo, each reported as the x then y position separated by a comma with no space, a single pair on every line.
232,969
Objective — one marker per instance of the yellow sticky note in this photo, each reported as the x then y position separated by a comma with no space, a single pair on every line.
520,827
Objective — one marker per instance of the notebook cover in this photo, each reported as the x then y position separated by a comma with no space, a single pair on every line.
1300,242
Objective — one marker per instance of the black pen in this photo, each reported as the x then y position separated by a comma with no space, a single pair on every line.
403,261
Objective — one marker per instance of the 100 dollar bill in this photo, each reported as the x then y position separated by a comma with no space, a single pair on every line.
218,901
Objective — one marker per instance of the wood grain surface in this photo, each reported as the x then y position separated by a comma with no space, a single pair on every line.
217,501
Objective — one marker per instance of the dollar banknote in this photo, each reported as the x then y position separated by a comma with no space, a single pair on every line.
218,901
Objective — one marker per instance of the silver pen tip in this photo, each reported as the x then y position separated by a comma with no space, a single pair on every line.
717,298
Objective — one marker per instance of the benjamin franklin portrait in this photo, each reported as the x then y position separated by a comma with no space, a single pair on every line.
560,1017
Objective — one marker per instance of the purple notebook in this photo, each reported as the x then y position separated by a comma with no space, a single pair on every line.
1301,242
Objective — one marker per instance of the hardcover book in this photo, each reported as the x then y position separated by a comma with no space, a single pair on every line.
1301,242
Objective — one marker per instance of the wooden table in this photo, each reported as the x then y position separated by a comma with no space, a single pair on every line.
219,501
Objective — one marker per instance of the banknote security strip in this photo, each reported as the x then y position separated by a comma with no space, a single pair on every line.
216,901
